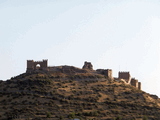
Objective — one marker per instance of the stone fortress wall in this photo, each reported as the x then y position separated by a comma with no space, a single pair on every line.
43,65
34,65
127,77
124,75
106,72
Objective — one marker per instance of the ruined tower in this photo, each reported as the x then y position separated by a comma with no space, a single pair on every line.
36,65
135,83
106,72
109,73
125,75
88,65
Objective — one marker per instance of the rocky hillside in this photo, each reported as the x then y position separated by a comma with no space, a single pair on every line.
61,96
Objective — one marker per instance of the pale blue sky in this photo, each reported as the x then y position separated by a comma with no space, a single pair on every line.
116,34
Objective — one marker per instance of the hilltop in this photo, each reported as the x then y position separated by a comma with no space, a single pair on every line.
74,93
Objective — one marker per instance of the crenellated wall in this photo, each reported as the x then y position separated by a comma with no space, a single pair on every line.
36,65
125,75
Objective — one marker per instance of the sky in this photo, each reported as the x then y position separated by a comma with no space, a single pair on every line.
122,35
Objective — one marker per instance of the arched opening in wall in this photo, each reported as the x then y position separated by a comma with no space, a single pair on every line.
38,66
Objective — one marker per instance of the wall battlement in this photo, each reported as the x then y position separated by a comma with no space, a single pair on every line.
41,61
29,60
125,75
36,65
123,72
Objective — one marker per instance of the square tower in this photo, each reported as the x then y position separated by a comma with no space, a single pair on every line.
134,82
125,75
108,73
30,65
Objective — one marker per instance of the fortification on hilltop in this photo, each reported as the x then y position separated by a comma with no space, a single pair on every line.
125,76
106,72
87,67
36,65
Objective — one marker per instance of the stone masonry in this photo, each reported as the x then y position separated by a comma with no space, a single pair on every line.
88,65
106,72
43,65
36,65
125,75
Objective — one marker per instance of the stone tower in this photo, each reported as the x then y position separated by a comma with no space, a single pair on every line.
139,85
87,65
109,73
36,65
125,75
135,83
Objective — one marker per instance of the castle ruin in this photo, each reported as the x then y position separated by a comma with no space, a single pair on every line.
43,66
124,75
106,72
36,65
87,65
127,78
135,83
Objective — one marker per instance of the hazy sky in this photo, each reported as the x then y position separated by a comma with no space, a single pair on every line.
122,35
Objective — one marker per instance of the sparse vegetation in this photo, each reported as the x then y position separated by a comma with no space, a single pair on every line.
61,96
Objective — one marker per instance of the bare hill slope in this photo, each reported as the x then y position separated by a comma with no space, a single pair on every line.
85,95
